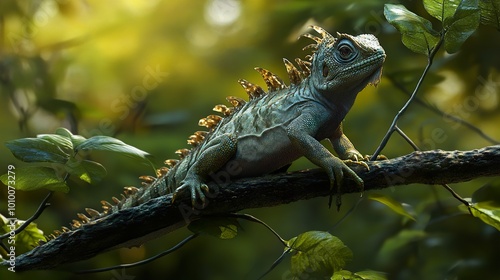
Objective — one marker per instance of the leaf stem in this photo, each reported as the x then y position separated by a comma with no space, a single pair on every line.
256,220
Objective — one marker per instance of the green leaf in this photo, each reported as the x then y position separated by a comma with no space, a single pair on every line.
63,142
220,227
396,206
75,139
105,143
36,177
490,12
417,33
371,275
87,170
441,9
345,275
362,275
45,149
487,213
317,254
463,23
26,239
460,19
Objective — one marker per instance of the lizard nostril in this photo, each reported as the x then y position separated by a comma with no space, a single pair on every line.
325,70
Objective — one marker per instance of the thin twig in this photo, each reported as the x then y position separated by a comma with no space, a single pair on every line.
127,265
391,129
408,139
444,114
275,263
251,218
35,216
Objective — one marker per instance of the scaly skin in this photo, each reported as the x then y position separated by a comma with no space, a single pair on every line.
273,128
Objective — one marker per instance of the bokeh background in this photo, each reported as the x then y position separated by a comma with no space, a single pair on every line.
146,71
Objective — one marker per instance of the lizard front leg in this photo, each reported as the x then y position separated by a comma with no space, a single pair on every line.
343,146
346,150
216,154
300,133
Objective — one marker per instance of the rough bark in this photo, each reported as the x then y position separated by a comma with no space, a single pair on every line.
136,225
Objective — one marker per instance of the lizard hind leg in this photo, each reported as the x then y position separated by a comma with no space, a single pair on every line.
216,154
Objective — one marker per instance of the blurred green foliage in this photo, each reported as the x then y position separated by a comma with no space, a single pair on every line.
146,71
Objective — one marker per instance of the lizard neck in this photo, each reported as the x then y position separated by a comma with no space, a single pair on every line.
340,101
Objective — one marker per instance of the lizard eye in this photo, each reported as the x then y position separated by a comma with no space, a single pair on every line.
325,70
345,52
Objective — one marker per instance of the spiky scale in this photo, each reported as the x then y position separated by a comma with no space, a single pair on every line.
324,34
148,179
162,171
93,213
293,72
305,66
197,138
65,229
253,91
75,224
57,232
106,205
115,200
171,162
236,101
182,154
312,37
210,121
273,82
82,217
131,190
223,109
193,140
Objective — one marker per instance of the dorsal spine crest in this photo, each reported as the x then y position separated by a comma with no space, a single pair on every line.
297,73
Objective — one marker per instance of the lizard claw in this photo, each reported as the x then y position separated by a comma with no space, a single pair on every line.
336,174
195,188
353,162
379,157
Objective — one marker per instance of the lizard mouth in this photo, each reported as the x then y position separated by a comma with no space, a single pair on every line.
374,78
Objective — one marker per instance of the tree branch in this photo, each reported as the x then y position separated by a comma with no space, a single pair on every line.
156,217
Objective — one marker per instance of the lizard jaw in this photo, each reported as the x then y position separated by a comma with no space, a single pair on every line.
374,79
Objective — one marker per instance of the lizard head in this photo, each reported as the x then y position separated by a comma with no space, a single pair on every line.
345,63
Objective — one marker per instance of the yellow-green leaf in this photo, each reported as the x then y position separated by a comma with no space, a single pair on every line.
35,177
488,214
26,239
361,275
396,206
317,254
220,227
87,170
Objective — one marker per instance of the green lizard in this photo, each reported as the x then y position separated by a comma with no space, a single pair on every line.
273,128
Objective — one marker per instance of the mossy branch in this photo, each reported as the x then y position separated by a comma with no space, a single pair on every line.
159,216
